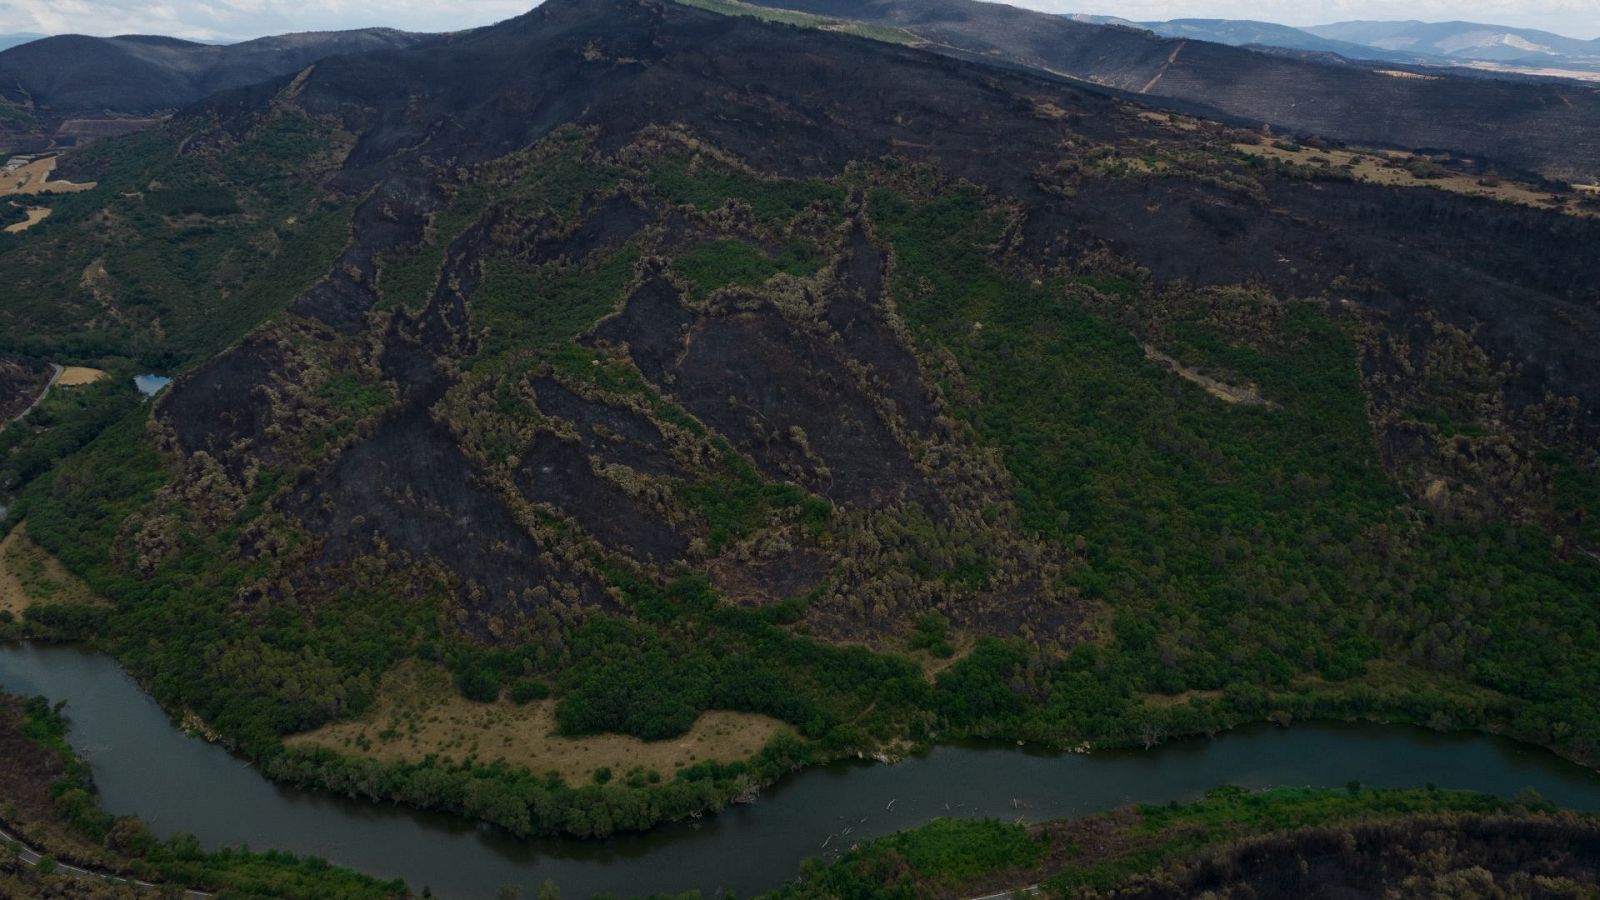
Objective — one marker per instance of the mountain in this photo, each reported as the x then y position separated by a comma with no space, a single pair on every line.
1489,48
1465,41
628,361
104,86
7,41
1249,33
138,74
1544,127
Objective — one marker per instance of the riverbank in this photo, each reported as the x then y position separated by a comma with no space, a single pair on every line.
143,764
55,827
1235,842
47,866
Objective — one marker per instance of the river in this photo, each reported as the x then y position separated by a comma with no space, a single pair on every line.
145,766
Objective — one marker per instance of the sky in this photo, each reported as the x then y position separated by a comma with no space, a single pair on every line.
237,19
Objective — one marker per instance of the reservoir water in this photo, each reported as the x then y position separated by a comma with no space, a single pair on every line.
145,766
150,385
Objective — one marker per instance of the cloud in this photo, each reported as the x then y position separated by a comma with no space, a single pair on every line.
235,19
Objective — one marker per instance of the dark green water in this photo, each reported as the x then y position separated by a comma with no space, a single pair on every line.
145,766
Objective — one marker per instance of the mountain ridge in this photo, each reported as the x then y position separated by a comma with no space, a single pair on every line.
1546,127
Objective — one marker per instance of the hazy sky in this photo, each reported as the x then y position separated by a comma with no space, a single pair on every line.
219,19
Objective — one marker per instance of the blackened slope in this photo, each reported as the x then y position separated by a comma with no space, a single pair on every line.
1553,127
140,74
788,101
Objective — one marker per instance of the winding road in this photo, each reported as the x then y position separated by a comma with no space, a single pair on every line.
55,376
32,857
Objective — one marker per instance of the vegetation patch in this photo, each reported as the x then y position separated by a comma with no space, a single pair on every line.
419,713
1390,167
29,575
1170,851
49,798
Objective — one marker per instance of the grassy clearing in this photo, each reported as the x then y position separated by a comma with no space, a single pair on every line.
35,215
34,178
29,575
418,712
76,376
1389,168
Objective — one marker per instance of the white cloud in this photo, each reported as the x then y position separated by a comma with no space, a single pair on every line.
235,19
232,19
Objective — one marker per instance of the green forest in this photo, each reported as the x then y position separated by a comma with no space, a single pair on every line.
1176,564
1158,851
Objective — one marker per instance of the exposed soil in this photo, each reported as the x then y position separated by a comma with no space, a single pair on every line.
1244,395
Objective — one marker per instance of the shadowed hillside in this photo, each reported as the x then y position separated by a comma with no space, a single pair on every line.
1549,128
48,87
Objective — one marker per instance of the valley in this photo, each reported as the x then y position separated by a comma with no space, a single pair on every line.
581,424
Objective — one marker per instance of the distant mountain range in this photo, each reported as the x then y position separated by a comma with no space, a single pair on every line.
7,41
143,74
1491,47
71,89
1549,127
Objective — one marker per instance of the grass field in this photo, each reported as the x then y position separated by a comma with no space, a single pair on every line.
75,376
36,214
418,712
34,178
29,575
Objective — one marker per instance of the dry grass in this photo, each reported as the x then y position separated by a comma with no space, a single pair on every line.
29,575
34,178
36,214
1171,120
418,713
73,376
1545,71
1401,73
1388,167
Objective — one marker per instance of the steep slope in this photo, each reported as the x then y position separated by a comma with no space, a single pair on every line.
664,361
1544,127
117,83
141,74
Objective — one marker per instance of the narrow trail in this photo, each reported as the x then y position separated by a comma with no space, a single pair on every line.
1028,891
1172,58
55,375
32,857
